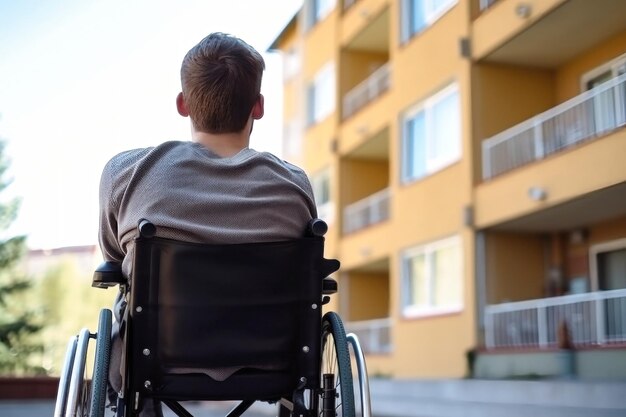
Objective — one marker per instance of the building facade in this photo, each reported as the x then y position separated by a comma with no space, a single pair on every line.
467,155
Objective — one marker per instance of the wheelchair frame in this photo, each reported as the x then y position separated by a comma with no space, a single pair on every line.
77,397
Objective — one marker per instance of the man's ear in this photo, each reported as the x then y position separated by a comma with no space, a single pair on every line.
181,106
259,108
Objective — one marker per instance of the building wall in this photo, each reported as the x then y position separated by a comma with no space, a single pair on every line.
515,266
373,287
361,178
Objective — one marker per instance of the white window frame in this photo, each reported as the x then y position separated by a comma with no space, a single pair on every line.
613,66
321,95
415,311
433,163
326,208
431,13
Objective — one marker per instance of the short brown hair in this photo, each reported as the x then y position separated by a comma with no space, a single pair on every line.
221,80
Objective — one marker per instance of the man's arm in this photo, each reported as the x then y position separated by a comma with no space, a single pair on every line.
107,235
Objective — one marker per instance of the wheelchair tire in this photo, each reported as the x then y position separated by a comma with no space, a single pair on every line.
64,380
79,394
101,365
337,391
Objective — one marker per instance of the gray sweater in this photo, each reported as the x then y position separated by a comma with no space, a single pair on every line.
193,195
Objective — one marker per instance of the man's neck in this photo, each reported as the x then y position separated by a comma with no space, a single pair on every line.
223,144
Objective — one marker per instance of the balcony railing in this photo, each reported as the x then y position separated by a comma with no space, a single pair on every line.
371,210
584,117
595,318
374,335
367,90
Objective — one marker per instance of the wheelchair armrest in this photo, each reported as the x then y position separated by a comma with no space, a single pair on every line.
108,274
329,286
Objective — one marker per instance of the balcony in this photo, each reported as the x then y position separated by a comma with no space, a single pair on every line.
592,319
515,32
374,335
592,114
368,90
366,212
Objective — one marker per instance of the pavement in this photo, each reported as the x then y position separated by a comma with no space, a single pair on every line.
438,398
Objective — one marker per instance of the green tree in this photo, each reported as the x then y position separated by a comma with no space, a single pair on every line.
19,323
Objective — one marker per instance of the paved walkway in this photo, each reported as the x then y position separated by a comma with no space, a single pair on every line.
439,398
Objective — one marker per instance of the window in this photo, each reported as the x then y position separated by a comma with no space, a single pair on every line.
609,105
321,95
292,146
317,10
416,15
432,278
291,63
431,135
321,190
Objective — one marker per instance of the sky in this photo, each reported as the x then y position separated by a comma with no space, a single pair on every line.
81,80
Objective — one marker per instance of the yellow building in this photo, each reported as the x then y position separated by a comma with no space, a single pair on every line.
470,159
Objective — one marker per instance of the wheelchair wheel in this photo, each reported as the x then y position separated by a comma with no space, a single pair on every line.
78,393
64,380
86,397
101,365
337,392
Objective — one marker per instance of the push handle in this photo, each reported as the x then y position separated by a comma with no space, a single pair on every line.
146,228
316,227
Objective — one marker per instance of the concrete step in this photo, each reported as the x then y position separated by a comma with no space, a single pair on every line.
469,398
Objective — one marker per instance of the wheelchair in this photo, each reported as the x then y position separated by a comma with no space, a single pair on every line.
253,309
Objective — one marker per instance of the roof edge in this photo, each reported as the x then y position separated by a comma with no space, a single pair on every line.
279,38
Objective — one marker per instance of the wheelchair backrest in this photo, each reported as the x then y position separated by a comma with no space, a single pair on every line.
196,306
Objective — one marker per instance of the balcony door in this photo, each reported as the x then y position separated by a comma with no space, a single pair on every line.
609,105
608,265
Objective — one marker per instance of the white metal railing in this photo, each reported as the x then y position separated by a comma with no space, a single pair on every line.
371,210
367,90
591,114
594,318
374,335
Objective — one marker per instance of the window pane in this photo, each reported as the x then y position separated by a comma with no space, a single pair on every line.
323,8
310,103
417,281
416,146
446,129
612,269
324,91
438,5
447,280
417,15
321,187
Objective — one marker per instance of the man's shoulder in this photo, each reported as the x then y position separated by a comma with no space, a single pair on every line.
270,157
133,156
